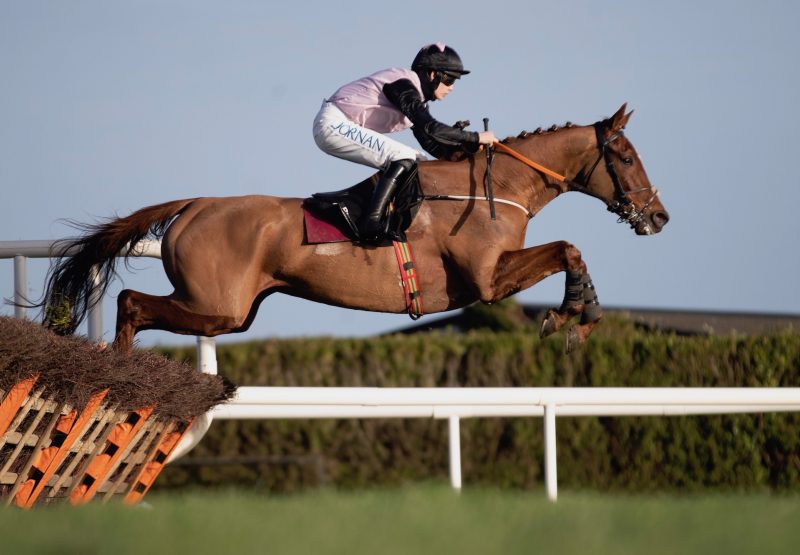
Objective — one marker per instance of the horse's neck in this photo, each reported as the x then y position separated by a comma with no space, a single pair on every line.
563,151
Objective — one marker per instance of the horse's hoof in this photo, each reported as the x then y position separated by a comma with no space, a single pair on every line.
549,325
574,339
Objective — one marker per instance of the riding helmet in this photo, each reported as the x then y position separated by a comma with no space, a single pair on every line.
439,57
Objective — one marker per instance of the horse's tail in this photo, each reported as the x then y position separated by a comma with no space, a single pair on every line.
70,282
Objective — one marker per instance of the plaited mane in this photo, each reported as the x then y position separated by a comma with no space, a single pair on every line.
539,131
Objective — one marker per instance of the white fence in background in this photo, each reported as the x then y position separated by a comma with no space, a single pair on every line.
452,404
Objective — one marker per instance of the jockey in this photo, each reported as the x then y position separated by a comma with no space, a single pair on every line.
352,122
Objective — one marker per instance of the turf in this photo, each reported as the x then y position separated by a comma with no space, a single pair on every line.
415,519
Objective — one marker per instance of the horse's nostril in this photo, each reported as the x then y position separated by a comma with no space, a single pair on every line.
660,219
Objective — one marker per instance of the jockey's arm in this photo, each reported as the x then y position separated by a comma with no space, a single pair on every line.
406,98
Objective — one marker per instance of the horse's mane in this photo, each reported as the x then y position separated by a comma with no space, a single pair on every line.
460,157
539,131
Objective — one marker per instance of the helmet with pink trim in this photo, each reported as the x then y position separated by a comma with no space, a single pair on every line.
439,57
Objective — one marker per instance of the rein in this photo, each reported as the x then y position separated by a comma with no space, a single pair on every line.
491,198
527,161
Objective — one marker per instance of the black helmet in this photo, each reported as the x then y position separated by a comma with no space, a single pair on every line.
439,57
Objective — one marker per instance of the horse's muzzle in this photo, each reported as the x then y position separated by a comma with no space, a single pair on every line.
659,220
650,224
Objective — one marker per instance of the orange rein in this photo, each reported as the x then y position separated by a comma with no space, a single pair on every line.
513,153
529,162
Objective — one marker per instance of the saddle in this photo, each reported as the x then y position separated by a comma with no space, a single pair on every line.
334,216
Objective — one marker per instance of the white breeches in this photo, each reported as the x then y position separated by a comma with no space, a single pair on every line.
335,134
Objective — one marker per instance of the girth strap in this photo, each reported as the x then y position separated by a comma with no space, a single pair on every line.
408,274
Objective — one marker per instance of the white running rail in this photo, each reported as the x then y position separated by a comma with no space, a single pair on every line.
452,404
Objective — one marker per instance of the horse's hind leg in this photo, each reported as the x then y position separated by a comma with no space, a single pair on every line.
139,311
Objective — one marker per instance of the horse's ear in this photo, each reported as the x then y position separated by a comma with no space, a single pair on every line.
619,119
628,116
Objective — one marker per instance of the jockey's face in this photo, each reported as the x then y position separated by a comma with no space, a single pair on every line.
442,90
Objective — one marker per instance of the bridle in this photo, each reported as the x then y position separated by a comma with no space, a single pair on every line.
621,205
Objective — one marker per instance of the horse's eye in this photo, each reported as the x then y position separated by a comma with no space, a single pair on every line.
627,161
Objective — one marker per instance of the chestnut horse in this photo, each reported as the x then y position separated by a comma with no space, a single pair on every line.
223,256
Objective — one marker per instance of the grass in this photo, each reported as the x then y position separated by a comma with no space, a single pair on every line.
416,519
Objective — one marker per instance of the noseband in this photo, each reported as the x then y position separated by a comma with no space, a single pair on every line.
621,205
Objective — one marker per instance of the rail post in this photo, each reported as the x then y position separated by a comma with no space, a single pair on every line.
550,477
454,427
20,286
206,363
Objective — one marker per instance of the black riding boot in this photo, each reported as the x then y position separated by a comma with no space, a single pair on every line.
372,228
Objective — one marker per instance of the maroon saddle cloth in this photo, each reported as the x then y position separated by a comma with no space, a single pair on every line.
320,230
333,217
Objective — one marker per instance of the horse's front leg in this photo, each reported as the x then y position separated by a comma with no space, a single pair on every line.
579,298
518,270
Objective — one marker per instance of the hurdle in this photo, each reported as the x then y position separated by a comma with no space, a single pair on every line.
73,441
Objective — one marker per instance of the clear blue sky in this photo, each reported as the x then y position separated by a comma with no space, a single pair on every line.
106,107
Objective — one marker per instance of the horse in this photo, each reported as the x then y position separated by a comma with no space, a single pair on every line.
224,256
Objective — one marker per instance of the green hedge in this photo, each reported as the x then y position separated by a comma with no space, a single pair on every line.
631,453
